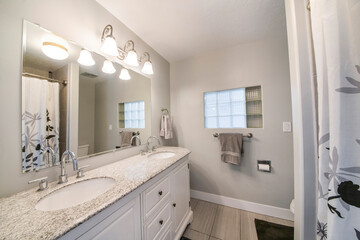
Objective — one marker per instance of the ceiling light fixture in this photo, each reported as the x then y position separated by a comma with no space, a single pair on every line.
86,58
108,41
108,67
124,74
147,68
55,47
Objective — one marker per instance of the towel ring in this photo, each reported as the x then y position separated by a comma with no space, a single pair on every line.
250,135
165,110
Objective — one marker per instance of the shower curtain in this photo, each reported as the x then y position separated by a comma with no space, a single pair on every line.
336,36
40,122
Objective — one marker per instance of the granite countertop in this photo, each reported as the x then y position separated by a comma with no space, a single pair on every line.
20,220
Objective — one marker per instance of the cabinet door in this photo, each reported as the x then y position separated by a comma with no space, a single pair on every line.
123,224
180,190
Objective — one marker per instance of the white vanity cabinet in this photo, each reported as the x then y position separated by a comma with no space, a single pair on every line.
123,224
159,209
180,194
166,205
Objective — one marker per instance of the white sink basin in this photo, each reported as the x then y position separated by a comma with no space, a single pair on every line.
161,155
75,194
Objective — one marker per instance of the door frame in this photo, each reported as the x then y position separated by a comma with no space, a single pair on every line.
303,95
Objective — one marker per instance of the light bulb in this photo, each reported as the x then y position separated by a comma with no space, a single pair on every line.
124,74
85,58
108,67
109,46
131,58
147,68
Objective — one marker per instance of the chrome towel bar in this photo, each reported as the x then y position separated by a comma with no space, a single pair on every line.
250,135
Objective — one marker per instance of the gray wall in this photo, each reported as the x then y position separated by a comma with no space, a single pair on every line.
108,94
262,63
86,112
81,21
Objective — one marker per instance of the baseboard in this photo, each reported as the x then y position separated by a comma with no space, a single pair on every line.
244,205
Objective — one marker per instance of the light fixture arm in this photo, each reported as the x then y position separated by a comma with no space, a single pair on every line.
145,57
108,31
129,46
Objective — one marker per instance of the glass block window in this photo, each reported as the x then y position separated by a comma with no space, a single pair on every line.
234,108
132,114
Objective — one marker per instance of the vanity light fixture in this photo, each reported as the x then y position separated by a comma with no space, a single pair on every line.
124,74
128,54
108,67
55,47
108,42
86,58
147,68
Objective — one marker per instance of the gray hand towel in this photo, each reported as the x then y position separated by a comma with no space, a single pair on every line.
231,147
125,138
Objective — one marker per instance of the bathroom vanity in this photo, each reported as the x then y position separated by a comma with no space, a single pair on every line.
149,200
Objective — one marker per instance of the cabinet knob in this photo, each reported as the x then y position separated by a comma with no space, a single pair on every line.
161,222
174,204
160,193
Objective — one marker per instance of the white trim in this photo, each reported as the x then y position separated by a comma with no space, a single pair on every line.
244,205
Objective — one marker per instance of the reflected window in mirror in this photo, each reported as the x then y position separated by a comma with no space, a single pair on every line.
132,114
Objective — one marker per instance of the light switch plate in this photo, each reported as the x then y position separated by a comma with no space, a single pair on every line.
110,127
286,126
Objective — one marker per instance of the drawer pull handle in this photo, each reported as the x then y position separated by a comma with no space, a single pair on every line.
161,222
160,193
174,204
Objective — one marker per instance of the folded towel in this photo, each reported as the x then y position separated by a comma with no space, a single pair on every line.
231,147
126,138
165,127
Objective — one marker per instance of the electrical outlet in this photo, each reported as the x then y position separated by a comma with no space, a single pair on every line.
286,126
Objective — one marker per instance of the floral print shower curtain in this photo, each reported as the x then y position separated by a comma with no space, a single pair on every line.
40,123
336,37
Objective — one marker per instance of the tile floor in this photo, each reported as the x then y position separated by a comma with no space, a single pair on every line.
217,222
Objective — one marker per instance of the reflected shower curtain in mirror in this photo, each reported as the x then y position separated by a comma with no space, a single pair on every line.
336,36
40,122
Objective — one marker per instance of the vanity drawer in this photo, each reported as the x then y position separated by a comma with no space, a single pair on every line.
155,228
167,235
155,194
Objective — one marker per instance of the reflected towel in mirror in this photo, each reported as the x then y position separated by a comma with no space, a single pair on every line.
126,138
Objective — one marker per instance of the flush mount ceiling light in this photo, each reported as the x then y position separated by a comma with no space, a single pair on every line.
147,68
108,45
108,67
124,74
86,58
55,47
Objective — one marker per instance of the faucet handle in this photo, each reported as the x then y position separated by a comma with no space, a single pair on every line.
80,172
43,184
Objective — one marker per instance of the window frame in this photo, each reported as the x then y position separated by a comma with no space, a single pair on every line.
246,115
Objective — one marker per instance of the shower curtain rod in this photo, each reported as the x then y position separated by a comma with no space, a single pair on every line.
44,78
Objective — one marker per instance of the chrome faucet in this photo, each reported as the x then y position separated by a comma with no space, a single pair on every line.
53,156
149,141
137,137
63,175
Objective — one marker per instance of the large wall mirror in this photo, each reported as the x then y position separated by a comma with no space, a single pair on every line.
80,107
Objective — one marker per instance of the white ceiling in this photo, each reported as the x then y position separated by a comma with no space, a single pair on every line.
178,29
